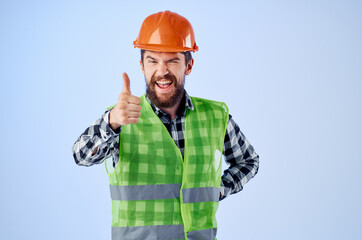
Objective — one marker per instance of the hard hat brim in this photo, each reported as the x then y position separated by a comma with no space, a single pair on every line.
163,48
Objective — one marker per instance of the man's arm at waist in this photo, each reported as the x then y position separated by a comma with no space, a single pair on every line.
242,159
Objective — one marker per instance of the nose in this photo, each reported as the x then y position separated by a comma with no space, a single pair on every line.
162,69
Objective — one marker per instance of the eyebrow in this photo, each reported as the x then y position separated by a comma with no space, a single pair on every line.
150,58
173,59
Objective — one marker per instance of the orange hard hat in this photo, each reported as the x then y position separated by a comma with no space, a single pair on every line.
166,32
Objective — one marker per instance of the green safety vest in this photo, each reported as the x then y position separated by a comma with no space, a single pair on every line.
156,194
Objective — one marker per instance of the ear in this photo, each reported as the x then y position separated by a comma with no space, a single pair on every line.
143,69
189,66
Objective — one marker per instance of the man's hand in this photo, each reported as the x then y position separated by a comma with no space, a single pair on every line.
127,109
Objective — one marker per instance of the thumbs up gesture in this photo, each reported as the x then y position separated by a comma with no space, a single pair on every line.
127,109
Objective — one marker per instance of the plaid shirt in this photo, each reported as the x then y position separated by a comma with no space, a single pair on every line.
239,154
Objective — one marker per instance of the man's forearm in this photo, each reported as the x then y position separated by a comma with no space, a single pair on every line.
235,177
94,145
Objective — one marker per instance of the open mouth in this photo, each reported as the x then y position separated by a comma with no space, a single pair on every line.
164,84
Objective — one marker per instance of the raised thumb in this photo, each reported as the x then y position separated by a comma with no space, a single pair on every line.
126,84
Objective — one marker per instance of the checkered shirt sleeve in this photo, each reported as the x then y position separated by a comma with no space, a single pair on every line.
100,135
242,160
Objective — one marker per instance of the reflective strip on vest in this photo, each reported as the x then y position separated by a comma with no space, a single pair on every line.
203,194
164,232
145,192
205,234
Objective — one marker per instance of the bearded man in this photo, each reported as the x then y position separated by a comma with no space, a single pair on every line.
166,146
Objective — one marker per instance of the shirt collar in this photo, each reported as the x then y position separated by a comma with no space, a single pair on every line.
186,102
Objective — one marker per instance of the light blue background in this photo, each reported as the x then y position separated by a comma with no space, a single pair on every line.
290,72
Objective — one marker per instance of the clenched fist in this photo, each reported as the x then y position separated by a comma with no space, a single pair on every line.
127,109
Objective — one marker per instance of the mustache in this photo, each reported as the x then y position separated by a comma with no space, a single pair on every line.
168,76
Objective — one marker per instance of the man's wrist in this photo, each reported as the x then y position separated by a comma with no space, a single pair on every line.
114,129
114,126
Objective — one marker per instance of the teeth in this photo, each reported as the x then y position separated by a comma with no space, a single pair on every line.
164,82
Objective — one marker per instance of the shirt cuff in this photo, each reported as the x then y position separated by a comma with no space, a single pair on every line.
222,191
